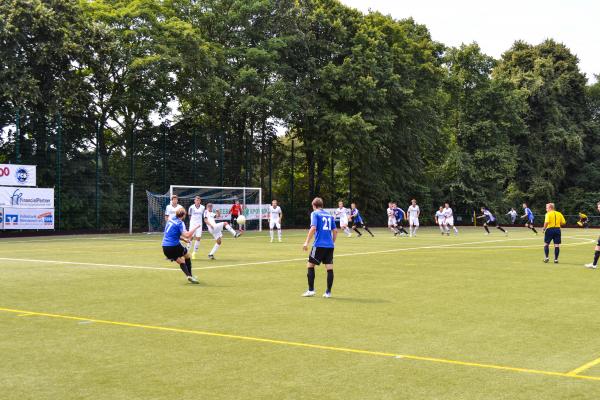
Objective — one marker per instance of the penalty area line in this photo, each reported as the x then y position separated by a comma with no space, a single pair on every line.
288,343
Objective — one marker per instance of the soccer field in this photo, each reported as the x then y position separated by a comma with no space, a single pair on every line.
431,317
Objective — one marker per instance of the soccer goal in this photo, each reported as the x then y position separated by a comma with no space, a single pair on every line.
222,198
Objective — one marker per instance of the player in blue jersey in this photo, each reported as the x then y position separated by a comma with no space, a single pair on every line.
172,248
490,220
528,217
357,221
400,216
323,228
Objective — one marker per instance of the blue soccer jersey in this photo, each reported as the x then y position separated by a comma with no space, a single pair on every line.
325,224
399,214
356,215
173,230
529,214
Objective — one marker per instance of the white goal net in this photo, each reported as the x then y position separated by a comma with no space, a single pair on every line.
223,198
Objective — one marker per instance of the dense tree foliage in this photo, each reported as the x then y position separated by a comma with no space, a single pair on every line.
339,103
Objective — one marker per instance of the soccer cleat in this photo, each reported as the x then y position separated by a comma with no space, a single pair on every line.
546,260
193,255
211,257
506,233
327,295
271,240
237,235
280,240
308,293
192,279
590,265
555,261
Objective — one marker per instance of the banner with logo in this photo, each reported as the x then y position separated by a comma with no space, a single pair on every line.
1,218
34,218
23,197
17,175
250,211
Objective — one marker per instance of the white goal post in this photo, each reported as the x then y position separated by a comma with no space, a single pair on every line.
222,198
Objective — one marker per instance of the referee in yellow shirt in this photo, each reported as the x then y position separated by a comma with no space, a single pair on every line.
552,224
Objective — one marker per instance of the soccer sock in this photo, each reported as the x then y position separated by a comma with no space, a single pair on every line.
486,229
455,229
329,280
416,228
546,250
279,233
501,228
188,263
596,256
403,230
271,233
311,279
230,229
355,229
184,269
367,229
347,230
214,249
556,252
196,245
442,229
533,229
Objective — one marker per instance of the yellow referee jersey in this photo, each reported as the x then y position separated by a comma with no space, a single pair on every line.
554,219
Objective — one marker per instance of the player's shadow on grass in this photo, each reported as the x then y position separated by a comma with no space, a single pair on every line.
359,300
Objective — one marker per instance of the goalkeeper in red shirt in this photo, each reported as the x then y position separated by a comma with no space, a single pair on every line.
236,211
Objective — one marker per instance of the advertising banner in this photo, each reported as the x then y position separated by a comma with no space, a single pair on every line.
17,175
251,211
1,218
33,218
22,197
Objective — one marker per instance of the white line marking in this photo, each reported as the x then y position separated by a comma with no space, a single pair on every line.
446,246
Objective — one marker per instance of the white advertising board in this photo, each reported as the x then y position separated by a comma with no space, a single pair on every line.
17,175
32,218
22,197
250,211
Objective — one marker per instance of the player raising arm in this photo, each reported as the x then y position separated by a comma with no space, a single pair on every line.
172,248
216,229
490,220
275,217
322,227
597,249
528,217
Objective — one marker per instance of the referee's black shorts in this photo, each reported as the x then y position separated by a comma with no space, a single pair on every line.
320,255
174,252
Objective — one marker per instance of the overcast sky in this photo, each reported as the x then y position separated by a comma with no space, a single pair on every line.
496,25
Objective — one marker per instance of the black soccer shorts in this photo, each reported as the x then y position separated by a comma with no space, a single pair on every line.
320,255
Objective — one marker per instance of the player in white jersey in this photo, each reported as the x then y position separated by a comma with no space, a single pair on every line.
449,214
440,220
392,224
196,213
342,213
275,217
172,208
413,217
216,229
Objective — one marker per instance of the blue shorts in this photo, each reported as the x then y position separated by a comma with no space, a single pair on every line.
552,234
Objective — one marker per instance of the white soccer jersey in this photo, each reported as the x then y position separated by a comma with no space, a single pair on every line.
413,211
171,211
440,216
274,213
448,212
196,215
390,212
210,216
342,213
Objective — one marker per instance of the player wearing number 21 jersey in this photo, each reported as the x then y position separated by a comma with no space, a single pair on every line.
322,227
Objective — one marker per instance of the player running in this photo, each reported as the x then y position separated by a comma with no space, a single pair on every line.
413,217
275,217
583,221
216,229
172,248
553,221
594,264
357,221
400,216
490,220
449,219
172,208
342,213
196,213
322,226
528,217
392,219
440,220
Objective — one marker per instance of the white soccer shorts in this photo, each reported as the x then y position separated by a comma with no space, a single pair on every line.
274,223
198,233
414,221
392,221
343,222
450,221
217,231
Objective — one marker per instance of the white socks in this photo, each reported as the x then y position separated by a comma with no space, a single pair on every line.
214,249
196,245
347,230
279,234
230,229
271,233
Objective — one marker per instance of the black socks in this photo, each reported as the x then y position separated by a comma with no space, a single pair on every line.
329,280
311,279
